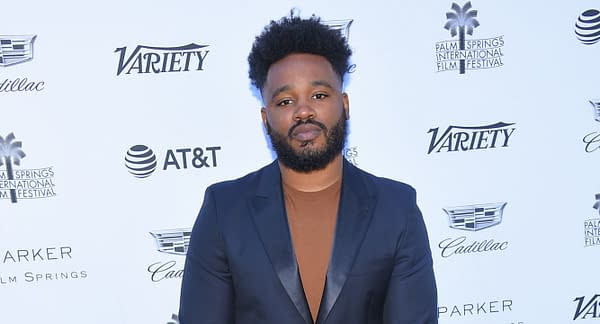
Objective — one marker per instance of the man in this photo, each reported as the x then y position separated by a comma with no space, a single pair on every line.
309,238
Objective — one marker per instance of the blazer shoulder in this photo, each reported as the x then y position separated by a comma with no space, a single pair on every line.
386,186
238,187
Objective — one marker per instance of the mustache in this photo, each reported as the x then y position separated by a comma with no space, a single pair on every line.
308,121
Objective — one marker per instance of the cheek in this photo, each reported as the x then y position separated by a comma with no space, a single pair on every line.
276,122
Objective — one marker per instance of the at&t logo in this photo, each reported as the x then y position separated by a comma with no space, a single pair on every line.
141,160
587,27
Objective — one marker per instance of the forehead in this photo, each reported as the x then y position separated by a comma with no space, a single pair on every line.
298,68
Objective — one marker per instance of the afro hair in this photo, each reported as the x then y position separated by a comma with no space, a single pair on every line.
296,35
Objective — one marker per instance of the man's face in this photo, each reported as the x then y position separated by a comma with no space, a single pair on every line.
305,111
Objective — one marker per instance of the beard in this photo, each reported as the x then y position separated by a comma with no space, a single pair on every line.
308,158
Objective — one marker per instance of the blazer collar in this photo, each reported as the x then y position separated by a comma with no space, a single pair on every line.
354,215
269,216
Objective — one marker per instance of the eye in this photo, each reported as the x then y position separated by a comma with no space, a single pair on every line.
284,102
320,96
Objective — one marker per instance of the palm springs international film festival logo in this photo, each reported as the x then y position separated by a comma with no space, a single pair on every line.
171,241
472,218
16,49
467,54
16,184
587,309
141,161
587,27
469,138
152,59
591,227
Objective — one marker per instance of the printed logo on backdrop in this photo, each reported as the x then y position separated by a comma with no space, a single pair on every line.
174,319
351,154
172,241
587,27
472,218
37,265
591,227
16,183
486,308
344,27
469,138
592,139
464,54
141,161
152,59
587,308
17,49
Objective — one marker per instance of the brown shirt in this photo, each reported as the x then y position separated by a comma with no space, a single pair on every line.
312,217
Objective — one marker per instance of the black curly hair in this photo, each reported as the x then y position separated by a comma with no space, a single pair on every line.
296,35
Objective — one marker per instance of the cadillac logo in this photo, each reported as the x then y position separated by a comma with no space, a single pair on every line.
16,49
596,107
173,241
475,217
342,25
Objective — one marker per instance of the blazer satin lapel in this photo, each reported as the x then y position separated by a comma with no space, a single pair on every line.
354,215
268,212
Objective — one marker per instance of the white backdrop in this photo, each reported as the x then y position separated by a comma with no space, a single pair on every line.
84,252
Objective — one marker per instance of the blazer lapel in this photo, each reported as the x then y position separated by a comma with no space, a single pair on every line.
354,215
269,216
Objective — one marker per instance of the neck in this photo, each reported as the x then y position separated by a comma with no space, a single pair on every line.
314,180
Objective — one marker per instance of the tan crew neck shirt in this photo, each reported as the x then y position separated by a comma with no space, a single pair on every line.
312,218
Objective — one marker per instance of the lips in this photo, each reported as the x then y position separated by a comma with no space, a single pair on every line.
306,132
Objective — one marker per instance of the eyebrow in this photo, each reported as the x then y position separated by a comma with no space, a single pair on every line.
314,83
279,90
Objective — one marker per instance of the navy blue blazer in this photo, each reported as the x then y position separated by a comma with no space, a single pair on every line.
240,266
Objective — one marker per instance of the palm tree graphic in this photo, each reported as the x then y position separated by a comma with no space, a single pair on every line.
10,152
461,19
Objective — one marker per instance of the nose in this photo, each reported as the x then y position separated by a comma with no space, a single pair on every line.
304,111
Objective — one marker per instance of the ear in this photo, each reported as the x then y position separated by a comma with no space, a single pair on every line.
346,104
263,116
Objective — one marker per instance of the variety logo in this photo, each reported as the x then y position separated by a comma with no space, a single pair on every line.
467,54
344,27
592,140
37,257
18,184
472,218
478,308
173,241
141,161
468,138
152,59
587,27
591,227
587,309
14,50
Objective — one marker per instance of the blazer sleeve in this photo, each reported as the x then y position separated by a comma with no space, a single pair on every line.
206,290
412,294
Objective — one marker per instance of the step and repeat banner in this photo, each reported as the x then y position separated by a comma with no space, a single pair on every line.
115,117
